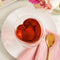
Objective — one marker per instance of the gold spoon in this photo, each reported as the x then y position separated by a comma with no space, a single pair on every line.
49,40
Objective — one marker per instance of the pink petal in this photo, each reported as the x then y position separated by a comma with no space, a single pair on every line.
34,1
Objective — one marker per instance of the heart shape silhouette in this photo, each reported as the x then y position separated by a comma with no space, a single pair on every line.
29,31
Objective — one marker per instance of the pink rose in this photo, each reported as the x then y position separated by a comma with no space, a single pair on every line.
34,1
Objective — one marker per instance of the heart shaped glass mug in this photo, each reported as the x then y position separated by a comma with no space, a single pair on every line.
29,30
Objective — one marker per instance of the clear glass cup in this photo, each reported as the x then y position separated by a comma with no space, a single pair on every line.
25,44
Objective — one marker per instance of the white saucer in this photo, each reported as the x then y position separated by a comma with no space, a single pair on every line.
12,45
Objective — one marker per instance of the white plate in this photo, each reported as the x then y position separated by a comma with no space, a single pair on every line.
12,45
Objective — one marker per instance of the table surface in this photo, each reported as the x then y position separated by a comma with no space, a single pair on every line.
4,12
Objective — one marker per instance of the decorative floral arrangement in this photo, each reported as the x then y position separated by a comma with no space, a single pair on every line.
45,4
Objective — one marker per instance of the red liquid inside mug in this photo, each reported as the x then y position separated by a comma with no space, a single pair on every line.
29,31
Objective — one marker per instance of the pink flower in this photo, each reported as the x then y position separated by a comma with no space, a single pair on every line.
34,1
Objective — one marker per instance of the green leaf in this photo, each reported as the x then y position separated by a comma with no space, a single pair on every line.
59,5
